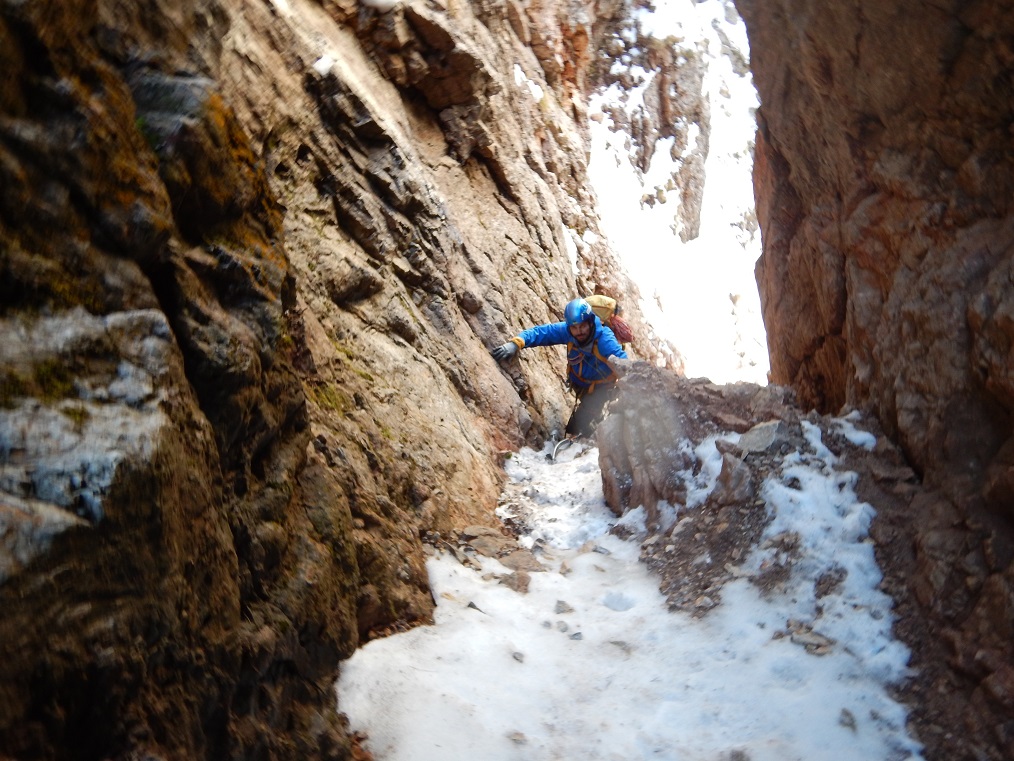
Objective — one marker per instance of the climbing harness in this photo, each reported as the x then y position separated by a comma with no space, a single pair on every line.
577,359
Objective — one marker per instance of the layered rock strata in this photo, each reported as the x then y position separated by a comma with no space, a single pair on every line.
252,258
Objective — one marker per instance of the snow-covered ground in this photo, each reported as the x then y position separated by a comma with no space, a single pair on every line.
590,664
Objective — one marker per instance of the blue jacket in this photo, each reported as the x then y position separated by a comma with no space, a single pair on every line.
586,365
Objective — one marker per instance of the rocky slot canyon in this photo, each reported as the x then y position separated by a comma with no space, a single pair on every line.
253,256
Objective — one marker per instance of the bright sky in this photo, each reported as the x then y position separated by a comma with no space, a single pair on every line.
591,665
687,289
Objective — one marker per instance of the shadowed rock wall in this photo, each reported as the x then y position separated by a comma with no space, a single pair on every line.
884,178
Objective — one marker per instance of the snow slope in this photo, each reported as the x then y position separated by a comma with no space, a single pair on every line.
590,664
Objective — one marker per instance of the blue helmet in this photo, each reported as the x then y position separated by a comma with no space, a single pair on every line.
578,311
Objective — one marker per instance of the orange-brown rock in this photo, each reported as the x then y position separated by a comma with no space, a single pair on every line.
885,193
252,258
884,189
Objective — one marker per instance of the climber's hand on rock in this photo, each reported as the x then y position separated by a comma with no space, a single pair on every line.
620,365
504,352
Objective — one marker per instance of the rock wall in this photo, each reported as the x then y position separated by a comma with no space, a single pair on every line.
253,257
884,184
884,187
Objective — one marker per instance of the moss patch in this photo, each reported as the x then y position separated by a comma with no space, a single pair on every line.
50,381
53,380
364,375
12,386
329,397
78,415
29,282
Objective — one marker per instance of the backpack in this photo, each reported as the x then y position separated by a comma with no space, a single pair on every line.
608,311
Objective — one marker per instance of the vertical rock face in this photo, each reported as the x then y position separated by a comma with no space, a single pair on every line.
884,184
252,258
884,181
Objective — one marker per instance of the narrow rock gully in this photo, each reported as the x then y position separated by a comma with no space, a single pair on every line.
756,608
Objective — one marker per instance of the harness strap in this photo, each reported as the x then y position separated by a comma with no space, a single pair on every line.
592,384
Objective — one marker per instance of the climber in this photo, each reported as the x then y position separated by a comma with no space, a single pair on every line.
595,360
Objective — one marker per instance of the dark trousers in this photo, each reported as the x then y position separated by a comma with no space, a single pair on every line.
590,410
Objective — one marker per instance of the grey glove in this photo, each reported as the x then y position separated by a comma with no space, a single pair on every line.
508,350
